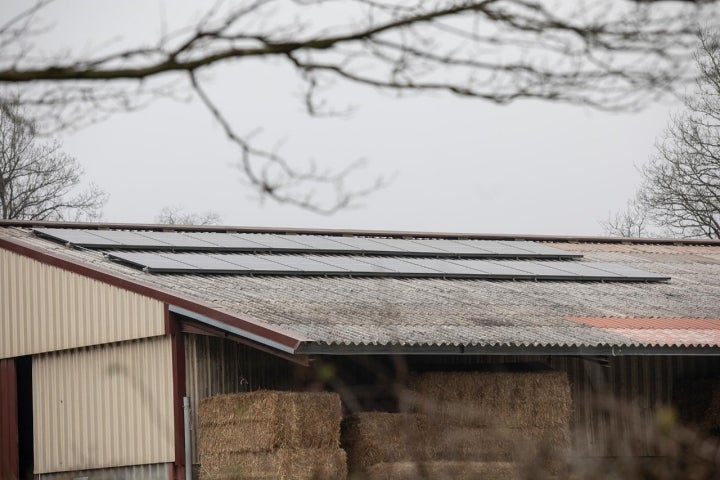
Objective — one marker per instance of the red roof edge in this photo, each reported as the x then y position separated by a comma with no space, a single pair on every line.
341,232
276,335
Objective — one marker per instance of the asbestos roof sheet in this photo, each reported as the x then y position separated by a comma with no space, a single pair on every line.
339,314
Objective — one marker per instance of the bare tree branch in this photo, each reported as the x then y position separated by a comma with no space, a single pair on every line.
174,215
37,180
608,54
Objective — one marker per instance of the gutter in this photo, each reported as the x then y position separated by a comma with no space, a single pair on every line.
539,350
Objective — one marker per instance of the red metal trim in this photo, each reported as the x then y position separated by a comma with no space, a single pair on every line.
248,324
189,326
379,233
179,391
9,446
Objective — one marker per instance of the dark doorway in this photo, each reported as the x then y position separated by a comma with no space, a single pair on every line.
23,367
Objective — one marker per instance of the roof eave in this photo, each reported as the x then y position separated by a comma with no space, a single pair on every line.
316,348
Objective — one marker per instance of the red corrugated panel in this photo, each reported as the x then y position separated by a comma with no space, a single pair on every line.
9,465
650,323
671,337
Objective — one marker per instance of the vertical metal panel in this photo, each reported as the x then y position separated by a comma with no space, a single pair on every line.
103,406
45,308
138,472
215,366
9,462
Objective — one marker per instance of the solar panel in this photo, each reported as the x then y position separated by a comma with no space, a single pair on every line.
356,266
227,241
403,267
152,262
272,242
308,244
454,246
491,268
322,243
369,245
446,267
179,241
240,264
85,238
127,239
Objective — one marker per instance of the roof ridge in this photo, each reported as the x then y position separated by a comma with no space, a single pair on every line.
359,232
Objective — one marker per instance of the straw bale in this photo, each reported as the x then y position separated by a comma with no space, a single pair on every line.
457,386
496,443
283,464
266,420
443,471
376,437
512,399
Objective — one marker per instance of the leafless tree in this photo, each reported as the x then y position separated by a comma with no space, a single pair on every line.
174,215
632,222
681,184
37,180
607,54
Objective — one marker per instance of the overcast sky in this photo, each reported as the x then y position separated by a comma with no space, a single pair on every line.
457,164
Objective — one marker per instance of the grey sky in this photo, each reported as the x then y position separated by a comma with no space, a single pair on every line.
458,164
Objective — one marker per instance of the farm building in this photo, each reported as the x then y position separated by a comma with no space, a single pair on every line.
105,329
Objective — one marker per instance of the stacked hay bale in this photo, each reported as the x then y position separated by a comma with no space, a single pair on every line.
271,434
498,416
466,425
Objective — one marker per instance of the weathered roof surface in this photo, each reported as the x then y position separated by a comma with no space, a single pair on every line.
341,315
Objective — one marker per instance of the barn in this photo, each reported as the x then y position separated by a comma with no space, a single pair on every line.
111,335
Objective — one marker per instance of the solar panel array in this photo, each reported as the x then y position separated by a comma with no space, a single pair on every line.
330,265
325,244
324,255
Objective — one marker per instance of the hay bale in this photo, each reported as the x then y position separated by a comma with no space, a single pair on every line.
284,463
443,471
376,437
496,443
512,399
267,420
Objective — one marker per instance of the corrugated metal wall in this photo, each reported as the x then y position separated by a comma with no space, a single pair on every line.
103,406
45,308
214,366
138,472
614,400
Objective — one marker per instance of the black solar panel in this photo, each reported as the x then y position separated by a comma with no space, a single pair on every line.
85,238
163,262
307,244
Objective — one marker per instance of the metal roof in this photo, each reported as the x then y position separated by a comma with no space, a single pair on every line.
338,315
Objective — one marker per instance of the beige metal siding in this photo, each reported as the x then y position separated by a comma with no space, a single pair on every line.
45,308
103,406
214,366
159,471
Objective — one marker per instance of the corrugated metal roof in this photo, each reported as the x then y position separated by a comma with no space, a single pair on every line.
339,313
651,323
